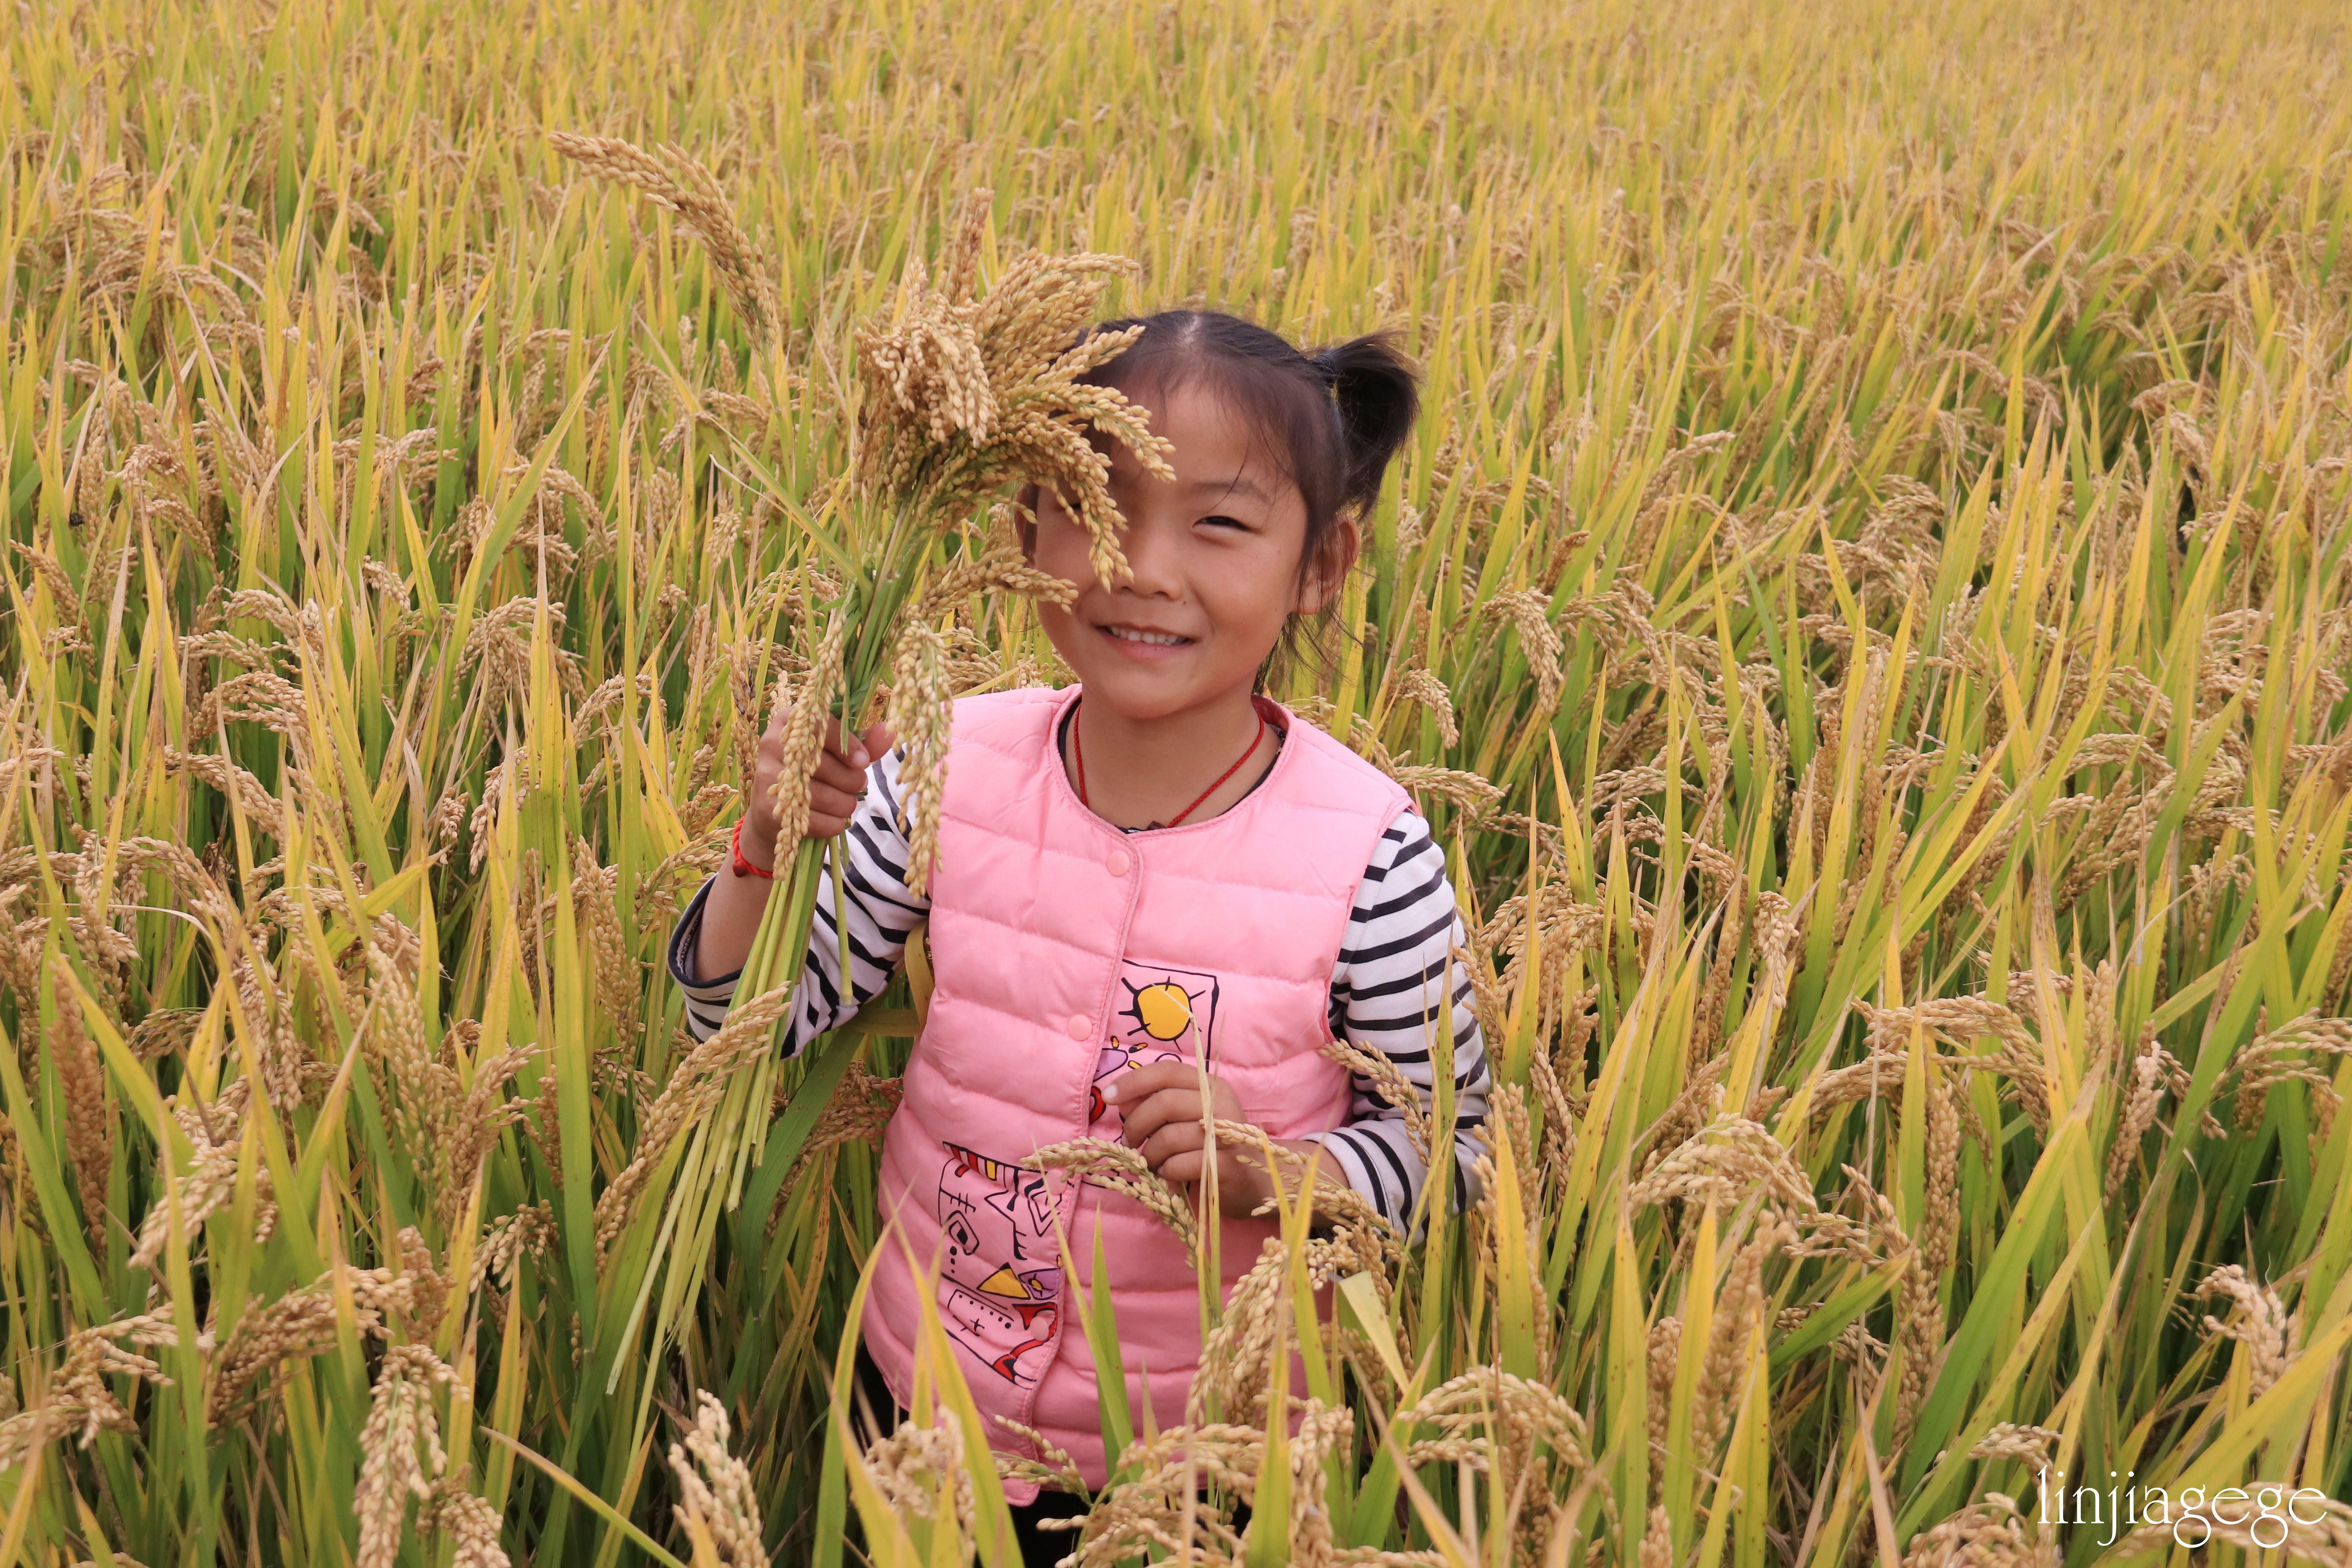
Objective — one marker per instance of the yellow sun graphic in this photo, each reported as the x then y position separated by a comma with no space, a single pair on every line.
1162,1010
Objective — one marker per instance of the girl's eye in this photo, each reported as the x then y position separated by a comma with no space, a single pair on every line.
1220,520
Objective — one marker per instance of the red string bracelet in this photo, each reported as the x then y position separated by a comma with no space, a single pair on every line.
744,868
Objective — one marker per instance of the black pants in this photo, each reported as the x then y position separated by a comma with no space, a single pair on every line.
1039,1548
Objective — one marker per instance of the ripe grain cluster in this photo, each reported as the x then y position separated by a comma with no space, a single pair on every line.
1867,613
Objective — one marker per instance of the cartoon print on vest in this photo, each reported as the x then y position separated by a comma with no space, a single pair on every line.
1000,1281
1167,1015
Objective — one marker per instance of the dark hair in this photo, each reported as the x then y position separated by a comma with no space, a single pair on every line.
1333,418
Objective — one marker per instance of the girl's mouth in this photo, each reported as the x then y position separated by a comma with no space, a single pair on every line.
1137,643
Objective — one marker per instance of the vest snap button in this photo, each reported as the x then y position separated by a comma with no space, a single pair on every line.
1118,863
1079,1026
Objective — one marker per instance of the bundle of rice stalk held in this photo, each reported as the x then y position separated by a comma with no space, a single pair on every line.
959,393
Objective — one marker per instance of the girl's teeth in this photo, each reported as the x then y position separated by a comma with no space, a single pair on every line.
1161,639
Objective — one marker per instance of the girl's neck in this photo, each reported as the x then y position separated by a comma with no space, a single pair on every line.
1141,772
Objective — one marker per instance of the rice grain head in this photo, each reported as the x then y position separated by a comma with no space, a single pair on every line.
2261,1322
964,393
921,707
400,1448
89,1129
675,180
715,1488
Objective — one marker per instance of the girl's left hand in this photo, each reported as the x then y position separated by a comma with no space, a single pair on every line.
1160,1113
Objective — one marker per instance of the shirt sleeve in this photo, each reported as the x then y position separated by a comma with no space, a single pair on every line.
1387,996
882,915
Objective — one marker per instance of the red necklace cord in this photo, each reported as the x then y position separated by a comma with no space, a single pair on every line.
1079,762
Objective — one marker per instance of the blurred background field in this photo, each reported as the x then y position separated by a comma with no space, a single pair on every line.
1867,612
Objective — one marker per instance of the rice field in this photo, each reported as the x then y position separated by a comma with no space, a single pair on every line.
1867,612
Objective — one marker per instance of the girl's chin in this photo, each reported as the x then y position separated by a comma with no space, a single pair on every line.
1138,692
1116,680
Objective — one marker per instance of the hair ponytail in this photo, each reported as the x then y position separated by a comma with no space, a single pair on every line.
1376,391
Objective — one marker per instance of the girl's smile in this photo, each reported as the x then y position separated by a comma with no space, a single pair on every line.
1143,643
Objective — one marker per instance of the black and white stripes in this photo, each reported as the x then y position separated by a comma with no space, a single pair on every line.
1387,996
1386,989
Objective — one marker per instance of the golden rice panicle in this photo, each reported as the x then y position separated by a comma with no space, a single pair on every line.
300,1324
810,703
1394,1087
1739,1314
1047,439
400,1421
964,393
2015,1440
920,1471
1657,1541
89,1130
1664,1359
999,569
927,365
1422,687
470,1523
1119,1169
677,180
1990,1533
716,1501
934,365
696,1084
2261,1322
921,707
81,1393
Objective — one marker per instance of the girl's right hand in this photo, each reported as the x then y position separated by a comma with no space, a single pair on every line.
835,785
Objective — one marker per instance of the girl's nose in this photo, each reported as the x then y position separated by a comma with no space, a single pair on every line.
1150,560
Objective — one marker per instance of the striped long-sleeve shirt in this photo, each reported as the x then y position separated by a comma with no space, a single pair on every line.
1394,956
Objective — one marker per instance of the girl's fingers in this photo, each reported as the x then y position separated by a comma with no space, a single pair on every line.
1139,1083
1182,1169
833,773
850,751
1140,1119
1175,1139
827,800
820,825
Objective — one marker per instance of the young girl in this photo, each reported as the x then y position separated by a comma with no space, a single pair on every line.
1154,865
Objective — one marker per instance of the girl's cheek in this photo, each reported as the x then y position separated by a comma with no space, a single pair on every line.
1061,548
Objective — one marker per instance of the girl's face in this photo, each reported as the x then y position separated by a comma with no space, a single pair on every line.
1213,555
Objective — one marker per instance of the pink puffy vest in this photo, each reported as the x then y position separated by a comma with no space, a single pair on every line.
1062,950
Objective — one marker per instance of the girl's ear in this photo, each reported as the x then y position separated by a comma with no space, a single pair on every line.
1334,554
1026,525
